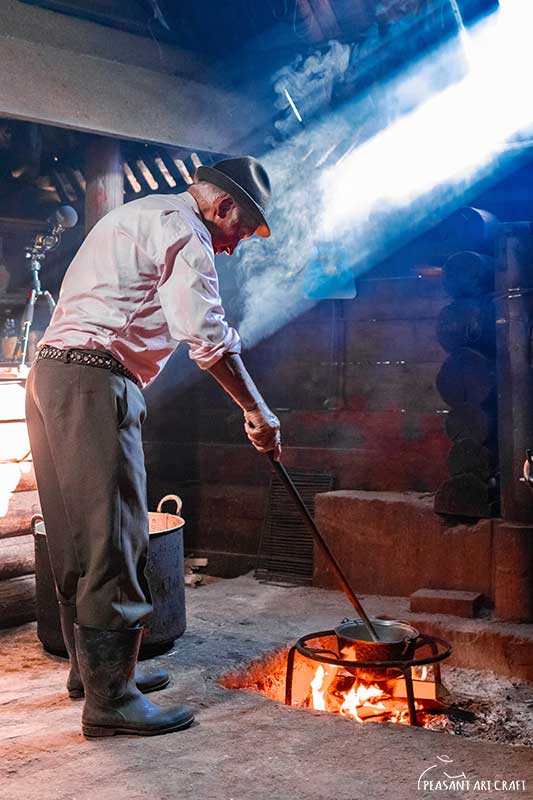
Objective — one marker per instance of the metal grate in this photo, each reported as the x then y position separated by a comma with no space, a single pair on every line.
286,548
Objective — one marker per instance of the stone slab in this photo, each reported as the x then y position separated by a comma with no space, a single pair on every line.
442,601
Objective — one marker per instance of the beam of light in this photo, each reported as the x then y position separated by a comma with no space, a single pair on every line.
457,116
293,106
446,141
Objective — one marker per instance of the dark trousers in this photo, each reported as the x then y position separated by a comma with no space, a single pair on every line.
84,425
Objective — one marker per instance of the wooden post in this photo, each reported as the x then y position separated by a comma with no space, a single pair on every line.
514,334
105,179
513,574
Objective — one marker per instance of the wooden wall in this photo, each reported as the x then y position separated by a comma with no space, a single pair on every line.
375,426
353,385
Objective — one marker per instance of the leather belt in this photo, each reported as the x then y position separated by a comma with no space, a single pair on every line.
90,358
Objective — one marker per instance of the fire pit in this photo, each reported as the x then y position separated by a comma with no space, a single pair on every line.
367,690
319,673
361,654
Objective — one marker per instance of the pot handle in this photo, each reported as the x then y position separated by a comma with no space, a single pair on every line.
34,520
411,645
174,497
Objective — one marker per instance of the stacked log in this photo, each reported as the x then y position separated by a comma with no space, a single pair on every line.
19,501
466,330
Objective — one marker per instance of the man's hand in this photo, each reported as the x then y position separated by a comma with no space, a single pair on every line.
263,430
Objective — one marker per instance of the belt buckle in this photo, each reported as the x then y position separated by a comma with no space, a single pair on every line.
66,355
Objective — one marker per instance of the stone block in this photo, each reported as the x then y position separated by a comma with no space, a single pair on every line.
392,543
446,601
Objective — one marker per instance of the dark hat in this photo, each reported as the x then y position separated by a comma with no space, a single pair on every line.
246,180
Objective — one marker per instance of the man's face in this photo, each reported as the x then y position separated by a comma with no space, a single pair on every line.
229,226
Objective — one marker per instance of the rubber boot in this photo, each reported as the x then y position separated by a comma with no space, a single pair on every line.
147,680
113,703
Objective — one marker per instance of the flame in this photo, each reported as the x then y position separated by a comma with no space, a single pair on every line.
319,704
320,686
325,696
422,672
360,697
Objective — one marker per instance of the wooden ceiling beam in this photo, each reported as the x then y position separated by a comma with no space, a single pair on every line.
73,89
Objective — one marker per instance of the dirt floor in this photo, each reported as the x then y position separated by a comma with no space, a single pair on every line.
243,746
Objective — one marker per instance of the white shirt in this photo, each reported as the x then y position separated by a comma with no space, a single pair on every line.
143,281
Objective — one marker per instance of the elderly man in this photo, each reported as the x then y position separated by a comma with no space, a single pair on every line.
143,280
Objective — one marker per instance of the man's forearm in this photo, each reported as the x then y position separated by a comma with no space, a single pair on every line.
260,424
234,378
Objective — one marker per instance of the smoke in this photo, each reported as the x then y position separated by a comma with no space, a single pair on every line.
310,82
377,170
273,270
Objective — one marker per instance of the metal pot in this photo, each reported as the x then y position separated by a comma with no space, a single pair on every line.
165,573
396,640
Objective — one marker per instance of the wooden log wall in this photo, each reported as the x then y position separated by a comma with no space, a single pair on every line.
19,501
466,330
354,384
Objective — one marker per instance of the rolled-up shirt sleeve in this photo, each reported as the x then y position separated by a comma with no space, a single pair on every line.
189,296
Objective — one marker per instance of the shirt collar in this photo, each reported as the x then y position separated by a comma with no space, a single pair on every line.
189,200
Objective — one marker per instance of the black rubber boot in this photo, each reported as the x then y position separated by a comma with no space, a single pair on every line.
113,703
67,615
147,680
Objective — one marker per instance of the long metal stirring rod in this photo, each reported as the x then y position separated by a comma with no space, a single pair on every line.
311,524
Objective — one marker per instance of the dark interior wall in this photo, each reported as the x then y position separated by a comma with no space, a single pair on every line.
352,381
353,385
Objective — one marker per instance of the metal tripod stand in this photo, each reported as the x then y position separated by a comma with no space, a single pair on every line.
36,256
65,217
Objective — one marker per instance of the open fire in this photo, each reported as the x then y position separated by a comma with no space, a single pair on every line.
362,701
476,705
316,674
326,675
